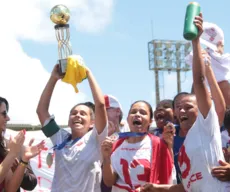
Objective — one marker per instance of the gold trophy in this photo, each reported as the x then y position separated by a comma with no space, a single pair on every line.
60,15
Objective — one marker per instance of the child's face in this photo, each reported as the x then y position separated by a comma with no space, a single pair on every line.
163,113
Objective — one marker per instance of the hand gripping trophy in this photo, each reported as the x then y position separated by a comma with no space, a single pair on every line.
60,15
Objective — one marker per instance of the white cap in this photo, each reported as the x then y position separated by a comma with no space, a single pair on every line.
212,35
111,101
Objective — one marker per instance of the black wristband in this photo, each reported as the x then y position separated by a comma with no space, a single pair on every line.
21,161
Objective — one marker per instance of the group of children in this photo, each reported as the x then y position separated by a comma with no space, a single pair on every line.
184,152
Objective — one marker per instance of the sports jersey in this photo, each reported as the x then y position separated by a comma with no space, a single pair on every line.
201,152
138,163
77,166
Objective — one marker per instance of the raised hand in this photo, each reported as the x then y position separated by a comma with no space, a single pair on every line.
55,73
15,144
207,58
199,23
32,151
168,134
106,148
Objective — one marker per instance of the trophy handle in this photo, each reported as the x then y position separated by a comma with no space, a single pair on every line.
62,66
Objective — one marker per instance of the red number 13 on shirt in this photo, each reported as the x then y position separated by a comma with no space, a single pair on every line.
141,177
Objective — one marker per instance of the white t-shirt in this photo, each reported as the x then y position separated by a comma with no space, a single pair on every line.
131,161
220,64
201,152
78,168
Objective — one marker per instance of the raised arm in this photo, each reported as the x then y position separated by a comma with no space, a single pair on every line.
216,93
44,102
109,176
98,97
198,70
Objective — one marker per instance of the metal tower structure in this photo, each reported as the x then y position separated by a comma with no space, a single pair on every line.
168,55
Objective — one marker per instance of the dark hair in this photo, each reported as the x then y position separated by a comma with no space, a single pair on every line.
90,105
3,150
3,100
179,95
227,119
149,106
166,103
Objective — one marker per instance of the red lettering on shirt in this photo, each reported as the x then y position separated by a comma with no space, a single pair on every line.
134,149
136,162
146,165
125,170
184,159
194,177
199,176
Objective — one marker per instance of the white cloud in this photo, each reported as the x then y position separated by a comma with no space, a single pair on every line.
22,81
29,19
23,78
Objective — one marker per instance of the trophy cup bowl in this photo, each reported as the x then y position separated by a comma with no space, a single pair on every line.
60,14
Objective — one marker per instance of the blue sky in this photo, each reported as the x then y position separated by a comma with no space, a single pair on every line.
118,54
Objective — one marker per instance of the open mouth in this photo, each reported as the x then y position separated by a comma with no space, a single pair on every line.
183,118
137,122
160,117
77,122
